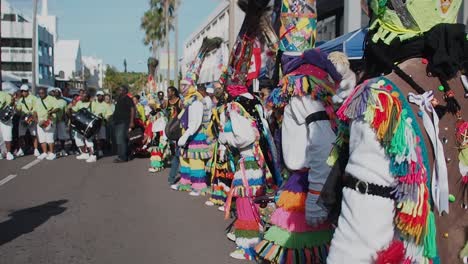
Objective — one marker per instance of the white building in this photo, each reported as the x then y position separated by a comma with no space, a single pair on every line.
68,60
97,71
216,25
17,39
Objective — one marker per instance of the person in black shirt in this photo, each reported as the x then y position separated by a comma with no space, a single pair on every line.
123,120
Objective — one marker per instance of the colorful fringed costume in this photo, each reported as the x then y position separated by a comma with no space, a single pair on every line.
403,142
221,162
300,233
251,176
194,145
158,146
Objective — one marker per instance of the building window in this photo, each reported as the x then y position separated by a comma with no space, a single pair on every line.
16,43
16,66
9,17
51,52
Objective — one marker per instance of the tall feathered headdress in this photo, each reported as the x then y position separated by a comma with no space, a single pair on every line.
256,11
193,71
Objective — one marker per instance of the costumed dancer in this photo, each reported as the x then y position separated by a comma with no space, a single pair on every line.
243,131
300,232
194,149
222,170
406,170
156,140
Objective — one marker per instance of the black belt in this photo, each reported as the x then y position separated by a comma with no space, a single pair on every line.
317,116
368,188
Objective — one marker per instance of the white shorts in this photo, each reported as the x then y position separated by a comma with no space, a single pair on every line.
62,131
7,131
23,128
46,136
102,133
80,140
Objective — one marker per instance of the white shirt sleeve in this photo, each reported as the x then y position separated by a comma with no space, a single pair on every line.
243,134
195,118
294,141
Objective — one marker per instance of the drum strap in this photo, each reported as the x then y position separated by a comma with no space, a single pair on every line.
23,101
45,106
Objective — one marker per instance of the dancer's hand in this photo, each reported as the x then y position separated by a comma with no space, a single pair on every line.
315,214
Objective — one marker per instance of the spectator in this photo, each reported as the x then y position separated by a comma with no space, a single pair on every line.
173,106
140,109
161,100
123,121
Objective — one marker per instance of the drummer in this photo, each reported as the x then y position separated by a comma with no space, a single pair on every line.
25,107
104,111
45,109
86,145
6,128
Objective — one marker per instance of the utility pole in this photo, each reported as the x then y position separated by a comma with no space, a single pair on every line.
176,49
34,48
166,7
232,22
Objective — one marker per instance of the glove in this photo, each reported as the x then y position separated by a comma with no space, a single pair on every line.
315,214
182,140
145,147
222,154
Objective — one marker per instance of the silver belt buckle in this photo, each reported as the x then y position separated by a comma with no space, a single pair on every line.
360,185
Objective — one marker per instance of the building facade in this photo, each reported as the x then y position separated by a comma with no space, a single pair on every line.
94,72
16,43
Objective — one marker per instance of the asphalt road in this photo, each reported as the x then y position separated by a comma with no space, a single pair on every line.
67,211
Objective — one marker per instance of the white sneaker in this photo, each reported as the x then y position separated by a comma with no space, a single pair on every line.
42,156
82,156
51,156
175,187
209,203
231,236
36,153
91,159
10,156
238,254
63,153
20,153
221,208
100,153
194,193
153,170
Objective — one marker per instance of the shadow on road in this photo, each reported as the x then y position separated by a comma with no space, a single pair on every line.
26,220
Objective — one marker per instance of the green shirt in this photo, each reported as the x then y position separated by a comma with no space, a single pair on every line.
25,105
43,111
5,99
62,106
141,112
80,104
102,109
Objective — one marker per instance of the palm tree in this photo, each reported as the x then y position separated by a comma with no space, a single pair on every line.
157,22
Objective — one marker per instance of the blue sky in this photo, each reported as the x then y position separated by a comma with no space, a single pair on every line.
110,29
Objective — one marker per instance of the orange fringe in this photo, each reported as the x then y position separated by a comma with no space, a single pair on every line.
246,225
290,201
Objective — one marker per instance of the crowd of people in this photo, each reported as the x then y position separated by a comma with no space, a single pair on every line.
41,125
319,165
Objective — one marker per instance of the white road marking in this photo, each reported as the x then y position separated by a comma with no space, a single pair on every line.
31,164
7,179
